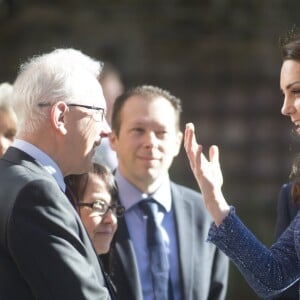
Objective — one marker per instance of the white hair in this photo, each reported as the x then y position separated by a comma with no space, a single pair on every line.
47,79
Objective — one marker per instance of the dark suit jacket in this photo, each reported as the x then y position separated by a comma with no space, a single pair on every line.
286,211
45,252
204,269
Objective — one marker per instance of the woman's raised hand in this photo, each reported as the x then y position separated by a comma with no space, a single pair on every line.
207,173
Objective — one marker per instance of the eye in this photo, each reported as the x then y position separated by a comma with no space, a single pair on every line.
162,134
100,206
296,92
138,130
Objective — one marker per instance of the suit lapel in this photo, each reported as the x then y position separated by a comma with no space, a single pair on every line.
124,249
184,220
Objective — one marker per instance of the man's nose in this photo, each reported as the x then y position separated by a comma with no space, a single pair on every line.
105,129
151,139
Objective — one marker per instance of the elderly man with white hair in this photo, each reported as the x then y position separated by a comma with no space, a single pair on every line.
45,251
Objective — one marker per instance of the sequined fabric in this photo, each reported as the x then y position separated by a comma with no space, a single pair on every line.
268,271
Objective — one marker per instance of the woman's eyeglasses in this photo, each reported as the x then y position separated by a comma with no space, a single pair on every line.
100,207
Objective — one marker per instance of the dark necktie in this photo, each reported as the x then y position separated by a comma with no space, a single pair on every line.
159,263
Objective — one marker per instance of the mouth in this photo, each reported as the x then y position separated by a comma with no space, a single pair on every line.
106,232
148,158
297,126
297,122
149,161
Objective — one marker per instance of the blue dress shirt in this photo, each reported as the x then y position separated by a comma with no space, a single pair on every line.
42,159
129,197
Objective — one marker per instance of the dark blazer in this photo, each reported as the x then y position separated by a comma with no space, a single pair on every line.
286,211
204,269
45,252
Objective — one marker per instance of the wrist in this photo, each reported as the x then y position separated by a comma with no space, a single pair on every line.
218,209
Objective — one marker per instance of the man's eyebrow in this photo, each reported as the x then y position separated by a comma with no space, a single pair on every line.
291,84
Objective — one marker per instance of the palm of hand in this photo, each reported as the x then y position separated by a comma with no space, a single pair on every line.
207,172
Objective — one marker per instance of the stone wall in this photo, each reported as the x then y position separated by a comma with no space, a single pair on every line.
221,57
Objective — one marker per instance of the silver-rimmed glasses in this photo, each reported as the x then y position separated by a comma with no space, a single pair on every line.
100,207
98,112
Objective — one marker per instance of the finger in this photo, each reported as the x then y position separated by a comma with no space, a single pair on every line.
190,144
188,135
199,157
214,154
188,138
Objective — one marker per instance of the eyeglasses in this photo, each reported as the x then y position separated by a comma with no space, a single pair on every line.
98,112
101,208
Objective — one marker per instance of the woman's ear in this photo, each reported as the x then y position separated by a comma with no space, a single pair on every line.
57,117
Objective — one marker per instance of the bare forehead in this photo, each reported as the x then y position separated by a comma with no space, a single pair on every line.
290,72
153,112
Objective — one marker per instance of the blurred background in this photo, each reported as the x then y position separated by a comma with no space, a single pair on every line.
220,57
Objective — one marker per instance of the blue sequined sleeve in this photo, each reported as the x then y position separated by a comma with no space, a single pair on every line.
267,271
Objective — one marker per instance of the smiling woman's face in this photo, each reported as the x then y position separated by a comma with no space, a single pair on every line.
290,86
101,229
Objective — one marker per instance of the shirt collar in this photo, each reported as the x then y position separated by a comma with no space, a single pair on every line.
130,195
42,159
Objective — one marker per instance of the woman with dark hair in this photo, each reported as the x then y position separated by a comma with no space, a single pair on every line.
95,196
268,271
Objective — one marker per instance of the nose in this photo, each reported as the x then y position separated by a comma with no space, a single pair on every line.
150,139
105,129
288,106
109,217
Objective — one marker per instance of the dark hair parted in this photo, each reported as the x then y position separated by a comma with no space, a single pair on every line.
290,45
77,184
148,92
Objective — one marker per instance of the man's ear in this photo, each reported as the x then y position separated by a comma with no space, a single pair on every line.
57,117
113,139
178,142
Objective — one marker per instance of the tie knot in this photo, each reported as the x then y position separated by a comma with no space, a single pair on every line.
149,207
